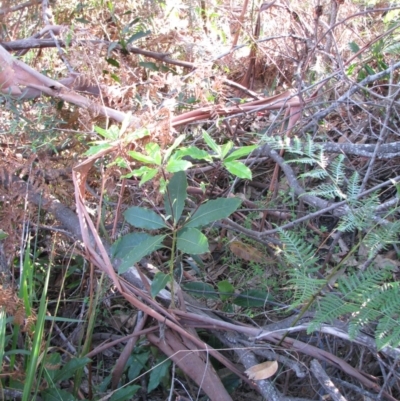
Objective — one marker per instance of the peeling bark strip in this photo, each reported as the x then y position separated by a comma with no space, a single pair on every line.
193,362
19,80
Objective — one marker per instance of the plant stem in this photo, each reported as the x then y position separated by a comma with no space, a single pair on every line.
171,267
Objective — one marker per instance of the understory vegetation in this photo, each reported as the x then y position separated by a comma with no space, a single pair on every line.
199,200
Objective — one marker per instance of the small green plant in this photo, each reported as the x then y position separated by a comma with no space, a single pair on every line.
183,230
174,158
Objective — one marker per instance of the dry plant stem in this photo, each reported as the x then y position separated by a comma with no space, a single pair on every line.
356,389
15,73
7,10
56,29
46,12
103,347
240,23
260,350
383,133
248,360
127,351
387,378
332,22
118,209
346,96
45,43
279,328
325,381
382,151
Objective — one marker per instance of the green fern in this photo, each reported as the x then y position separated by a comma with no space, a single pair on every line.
337,170
302,260
382,237
353,187
362,297
359,215
327,191
297,252
317,173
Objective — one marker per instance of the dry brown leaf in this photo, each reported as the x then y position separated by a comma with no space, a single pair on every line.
262,370
246,252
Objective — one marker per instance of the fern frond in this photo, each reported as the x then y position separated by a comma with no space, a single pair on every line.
309,147
359,287
388,332
330,308
359,215
364,298
327,191
381,237
321,158
304,286
353,187
297,146
336,170
303,160
301,257
297,252
319,174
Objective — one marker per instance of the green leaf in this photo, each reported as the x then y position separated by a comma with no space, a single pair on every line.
70,368
3,234
140,133
370,71
144,218
252,298
141,157
111,47
123,245
113,62
192,241
211,143
52,363
111,133
239,169
116,78
158,374
354,47
146,173
159,283
174,165
137,36
136,363
226,289
154,151
149,65
194,153
226,148
125,393
140,251
175,196
82,20
56,394
176,143
200,290
242,152
213,210
97,148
